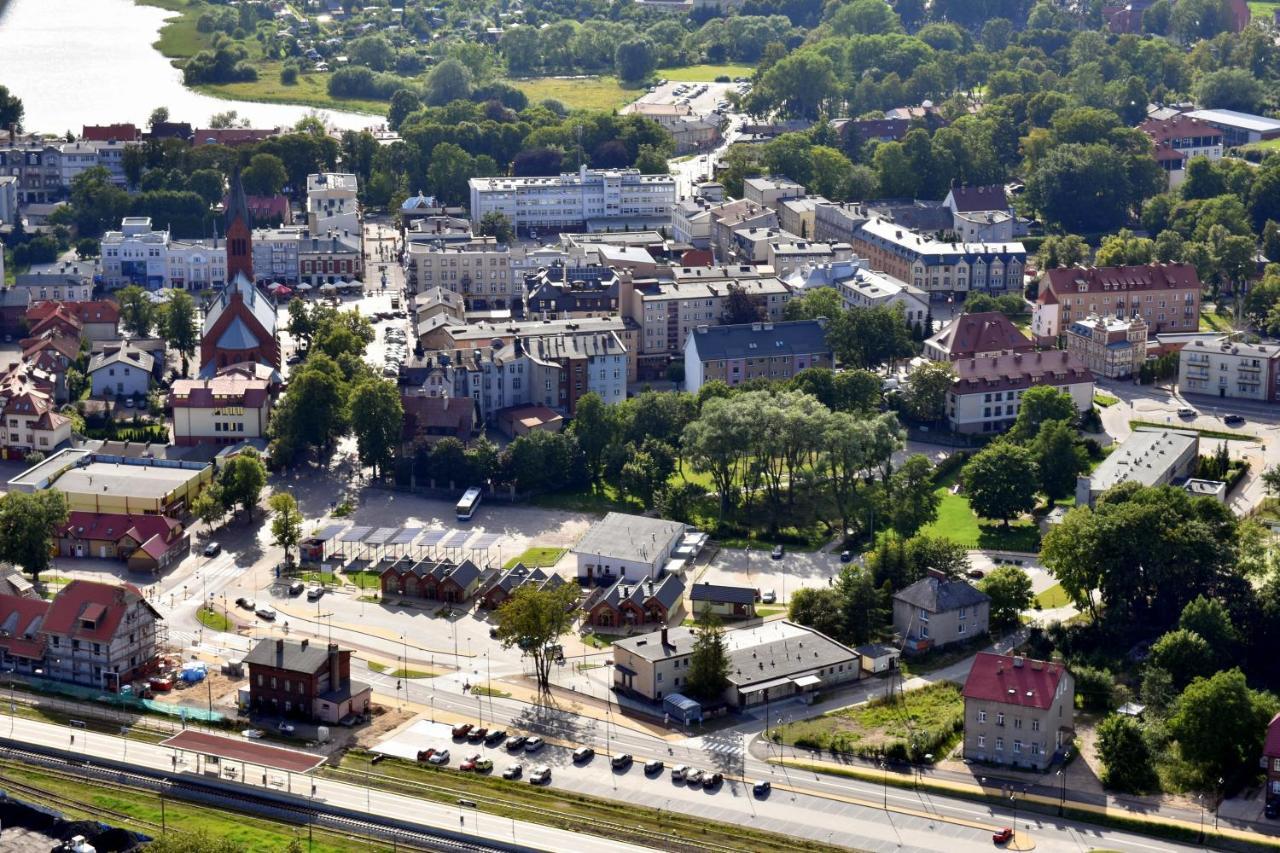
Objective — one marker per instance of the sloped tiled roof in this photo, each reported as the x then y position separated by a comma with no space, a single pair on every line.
105,601
1008,680
984,331
940,596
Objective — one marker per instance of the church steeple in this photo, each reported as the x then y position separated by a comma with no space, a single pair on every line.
239,231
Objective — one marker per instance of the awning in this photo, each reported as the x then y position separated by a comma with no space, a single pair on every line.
766,685
806,681
625,670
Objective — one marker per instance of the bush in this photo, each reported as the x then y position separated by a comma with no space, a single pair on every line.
1094,688
950,465
356,81
723,78
289,75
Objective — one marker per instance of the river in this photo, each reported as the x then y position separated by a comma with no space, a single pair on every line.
77,62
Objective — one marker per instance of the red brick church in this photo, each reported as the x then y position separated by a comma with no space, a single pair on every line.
240,323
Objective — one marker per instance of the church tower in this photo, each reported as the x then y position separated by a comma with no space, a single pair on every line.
239,225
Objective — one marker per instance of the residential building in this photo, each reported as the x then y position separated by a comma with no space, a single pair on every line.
267,211
1146,457
834,222
1017,711
980,214
798,215
980,334
937,611
434,580
1231,369
627,547
788,256
302,680
1239,128
420,206
591,199
37,165
121,371
627,604
139,255
197,265
944,270
145,542
860,287
224,409
330,257
124,132
987,391
1109,346
332,203
439,230
724,602
1180,138
669,312
96,320
771,190
79,157
429,418
70,281
689,131
741,353
116,484
769,662
98,634
480,271
231,135
275,253
31,422
504,586
1271,755
728,217
751,245
582,291
691,220
1165,296
863,131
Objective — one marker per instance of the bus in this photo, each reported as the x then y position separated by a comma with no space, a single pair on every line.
468,503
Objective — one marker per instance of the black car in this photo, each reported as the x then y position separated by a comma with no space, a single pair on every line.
213,549
1272,809
494,737
846,556
777,552
1233,420
516,742
621,762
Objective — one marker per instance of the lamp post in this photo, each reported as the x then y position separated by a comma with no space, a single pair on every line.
884,769
1062,774
1217,804
1200,800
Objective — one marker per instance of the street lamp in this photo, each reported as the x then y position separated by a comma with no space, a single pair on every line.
1217,804
1062,774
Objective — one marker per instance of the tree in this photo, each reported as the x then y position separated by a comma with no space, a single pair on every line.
1038,405
865,608
1009,589
1183,654
738,308
137,311
925,397
28,523
403,104
373,51
1066,250
1208,618
1000,481
799,84
1128,764
11,109
819,608
869,337
286,522
815,303
208,506
1219,724
179,325
534,619
1058,459
910,498
1230,89
830,174
451,167
496,224
448,81
596,427
1091,187
265,175
377,417
633,60
243,477
708,673
160,115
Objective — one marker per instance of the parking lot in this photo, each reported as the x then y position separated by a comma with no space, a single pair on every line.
703,99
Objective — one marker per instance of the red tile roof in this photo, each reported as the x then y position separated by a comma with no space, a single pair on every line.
92,311
1271,746
1178,127
1018,370
1068,280
226,389
105,603
984,331
20,620
112,527
969,199
998,678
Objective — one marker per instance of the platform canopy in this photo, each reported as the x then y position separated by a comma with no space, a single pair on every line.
381,536
432,538
456,539
328,532
355,534
405,535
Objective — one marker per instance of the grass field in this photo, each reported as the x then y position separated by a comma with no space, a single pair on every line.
600,641
324,578
1104,400
588,93
1264,9
401,672
364,580
311,90
1204,433
704,73
213,619
1054,596
935,713
1212,321
957,522
536,557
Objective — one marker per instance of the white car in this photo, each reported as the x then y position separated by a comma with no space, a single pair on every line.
679,772
441,757
540,775
252,734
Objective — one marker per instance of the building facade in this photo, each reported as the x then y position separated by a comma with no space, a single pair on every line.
943,270
741,353
937,611
304,681
1017,711
225,409
590,199
1230,369
1110,347
480,271
1165,296
987,392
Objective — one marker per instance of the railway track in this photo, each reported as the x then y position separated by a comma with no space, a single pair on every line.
359,829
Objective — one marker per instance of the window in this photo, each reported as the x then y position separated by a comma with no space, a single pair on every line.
999,744
1000,718
982,741
982,716
1017,722
924,615
1035,725
1017,747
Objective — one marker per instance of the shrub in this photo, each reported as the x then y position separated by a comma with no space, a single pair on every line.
289,75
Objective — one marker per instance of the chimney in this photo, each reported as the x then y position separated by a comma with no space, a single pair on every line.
336,681
664,636
279,652
938,573
304,642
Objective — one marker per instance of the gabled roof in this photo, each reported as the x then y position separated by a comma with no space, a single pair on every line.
238,336
1018,370
104,603
940,596
722,594
257,303
1009,680
303,656
967,199
982,332
1065,281
759,340
20,621
112,527
126,354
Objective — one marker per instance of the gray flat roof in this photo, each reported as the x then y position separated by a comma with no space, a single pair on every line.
144,481
1144,457
1232,118
630,537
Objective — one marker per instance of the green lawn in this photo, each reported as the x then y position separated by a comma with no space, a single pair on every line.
1266,144
179,38
1054,596
213,619
364,580
536,557
1212,321
1104,400
1204,433
481,690
933,716
1264,9
400,672
323,578
311,90
591,93
601,641
958,523
704,73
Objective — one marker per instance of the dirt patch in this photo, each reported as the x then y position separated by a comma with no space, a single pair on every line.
380,726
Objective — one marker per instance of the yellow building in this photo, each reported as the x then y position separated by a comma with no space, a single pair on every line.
102,483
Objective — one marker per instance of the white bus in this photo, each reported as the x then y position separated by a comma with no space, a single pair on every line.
468,503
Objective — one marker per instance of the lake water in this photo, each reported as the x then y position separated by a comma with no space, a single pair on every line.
77,62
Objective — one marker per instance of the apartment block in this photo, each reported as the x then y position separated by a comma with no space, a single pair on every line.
1165,296
1230,369
479,271
590,199
943,270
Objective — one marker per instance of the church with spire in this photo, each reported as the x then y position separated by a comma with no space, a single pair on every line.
240,323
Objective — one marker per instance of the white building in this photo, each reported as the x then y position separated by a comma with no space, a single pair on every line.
591,199
787,256
627,547
197,264
769,190
138,254
121,371
860,287
479,271
332,203
944,270
988,389
80,157
1232,369
1146,457
980,214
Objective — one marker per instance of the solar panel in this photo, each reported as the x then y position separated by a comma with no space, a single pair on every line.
485,541
405,535
456,539
381,535
355,534
329,531
432,538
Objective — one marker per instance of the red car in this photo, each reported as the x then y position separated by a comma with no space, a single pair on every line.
462,730
161,685
424,754
1004,836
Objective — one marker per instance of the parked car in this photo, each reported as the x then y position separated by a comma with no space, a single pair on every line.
287,728
517,742
777,552
846,556
477,735
1002,836
461,730
513,771
1272,809
713,780
1233,420
469,762
1187,412
213,549
484,765
252,734
652,768
679,772
761,788
246,603
494,737
266,613
693,778
425,754
296,588
540,775
583,754
440,757
315,593
975,574
769,597
534,744
621,762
